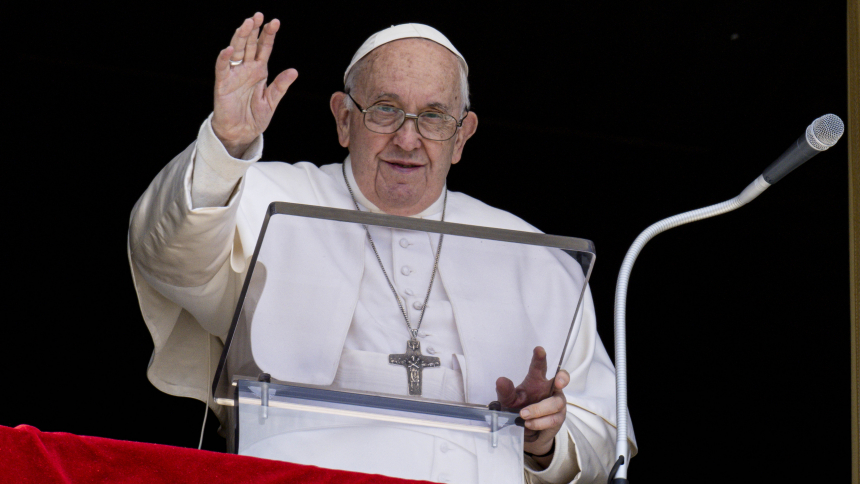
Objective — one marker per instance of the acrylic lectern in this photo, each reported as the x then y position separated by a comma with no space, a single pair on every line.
320,367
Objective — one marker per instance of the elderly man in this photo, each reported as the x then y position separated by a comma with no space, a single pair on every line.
405,119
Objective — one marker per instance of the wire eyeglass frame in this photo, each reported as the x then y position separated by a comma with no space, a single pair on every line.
415,117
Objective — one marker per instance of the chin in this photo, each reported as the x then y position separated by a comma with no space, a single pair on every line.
400,200
401,203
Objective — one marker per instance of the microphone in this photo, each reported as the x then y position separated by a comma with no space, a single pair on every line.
823,133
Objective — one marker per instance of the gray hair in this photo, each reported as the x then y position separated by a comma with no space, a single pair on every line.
359,67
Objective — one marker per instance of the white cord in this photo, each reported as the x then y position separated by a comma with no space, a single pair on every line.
206,386
622,446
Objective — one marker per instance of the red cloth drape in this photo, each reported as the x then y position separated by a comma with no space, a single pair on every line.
28,455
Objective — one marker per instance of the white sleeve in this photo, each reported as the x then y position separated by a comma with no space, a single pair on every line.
174,241
584,448
216,173
564,466
180,259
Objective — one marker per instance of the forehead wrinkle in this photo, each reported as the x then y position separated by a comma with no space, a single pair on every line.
388,95
434,104
394,63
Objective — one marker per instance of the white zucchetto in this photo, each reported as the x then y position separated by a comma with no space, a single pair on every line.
403,31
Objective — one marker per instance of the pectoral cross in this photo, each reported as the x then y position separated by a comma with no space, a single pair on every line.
415,363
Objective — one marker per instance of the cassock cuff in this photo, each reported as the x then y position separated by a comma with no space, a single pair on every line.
564,466
216,173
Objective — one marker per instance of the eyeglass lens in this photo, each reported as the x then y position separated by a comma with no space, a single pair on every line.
387,119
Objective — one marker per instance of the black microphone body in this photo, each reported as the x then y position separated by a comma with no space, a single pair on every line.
796,154
823,133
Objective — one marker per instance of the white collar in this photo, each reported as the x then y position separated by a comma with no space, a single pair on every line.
433,209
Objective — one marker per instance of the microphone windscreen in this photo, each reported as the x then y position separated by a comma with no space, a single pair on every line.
824,132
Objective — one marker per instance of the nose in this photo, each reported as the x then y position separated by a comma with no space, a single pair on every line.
407,137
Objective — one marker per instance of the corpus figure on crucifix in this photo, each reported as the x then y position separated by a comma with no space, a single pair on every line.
414,362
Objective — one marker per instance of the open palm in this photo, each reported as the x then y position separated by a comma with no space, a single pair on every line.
244,105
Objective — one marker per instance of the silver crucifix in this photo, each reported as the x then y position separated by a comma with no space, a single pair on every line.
414,362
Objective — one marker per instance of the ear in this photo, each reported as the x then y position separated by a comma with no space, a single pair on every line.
341,117
470,125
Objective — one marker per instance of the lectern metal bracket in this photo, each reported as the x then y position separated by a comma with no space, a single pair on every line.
264,380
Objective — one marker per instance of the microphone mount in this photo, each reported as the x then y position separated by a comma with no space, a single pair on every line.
823,133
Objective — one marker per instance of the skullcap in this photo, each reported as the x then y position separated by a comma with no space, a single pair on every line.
403,31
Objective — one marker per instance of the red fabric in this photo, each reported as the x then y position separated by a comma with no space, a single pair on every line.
28,455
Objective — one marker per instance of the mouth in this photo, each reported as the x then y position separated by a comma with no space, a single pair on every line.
403,166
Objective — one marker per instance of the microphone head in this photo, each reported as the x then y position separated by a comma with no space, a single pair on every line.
824,132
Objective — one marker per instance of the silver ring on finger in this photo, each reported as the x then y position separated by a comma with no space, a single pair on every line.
236,63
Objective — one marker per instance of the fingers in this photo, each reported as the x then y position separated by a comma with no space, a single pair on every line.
276,90
507,393
251,42
535,387
267,40
240,38
254,40
550,422
562,379
537,368
548,406
222,64
546,414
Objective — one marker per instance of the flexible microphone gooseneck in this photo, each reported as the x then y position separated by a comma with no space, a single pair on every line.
823,133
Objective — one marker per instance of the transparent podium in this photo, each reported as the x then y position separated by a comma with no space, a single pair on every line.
320,368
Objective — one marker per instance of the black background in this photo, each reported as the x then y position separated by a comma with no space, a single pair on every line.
595,120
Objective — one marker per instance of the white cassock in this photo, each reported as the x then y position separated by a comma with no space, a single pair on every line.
189,264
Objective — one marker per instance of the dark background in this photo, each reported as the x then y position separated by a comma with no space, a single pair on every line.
595,121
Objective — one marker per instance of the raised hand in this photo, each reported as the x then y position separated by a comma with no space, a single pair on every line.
541,402
244,105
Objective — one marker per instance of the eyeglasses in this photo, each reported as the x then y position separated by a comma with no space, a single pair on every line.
432,125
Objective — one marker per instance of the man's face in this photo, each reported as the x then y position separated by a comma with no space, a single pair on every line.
403,173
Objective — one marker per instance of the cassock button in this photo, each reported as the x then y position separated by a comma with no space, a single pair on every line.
444,447
418,305
406,270
409,292
432,351
404,243
443,478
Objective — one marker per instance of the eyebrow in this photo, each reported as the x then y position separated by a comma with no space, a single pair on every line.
438,105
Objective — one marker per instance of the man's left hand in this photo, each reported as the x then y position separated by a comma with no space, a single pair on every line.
541,403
